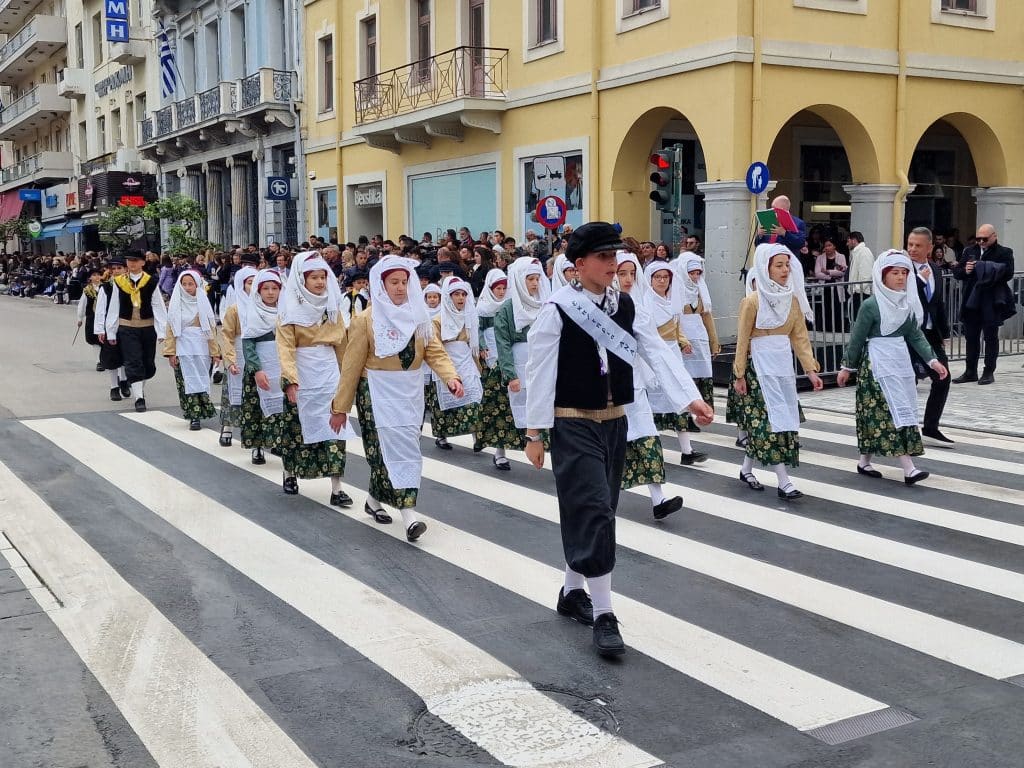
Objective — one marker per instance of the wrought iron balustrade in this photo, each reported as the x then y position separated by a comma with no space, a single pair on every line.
209,103
147,130
164,120
464,72
186,112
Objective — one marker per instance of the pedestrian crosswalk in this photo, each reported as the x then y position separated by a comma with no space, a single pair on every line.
224,618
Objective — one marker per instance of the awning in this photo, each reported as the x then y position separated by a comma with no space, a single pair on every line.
53,230
74,226
10,205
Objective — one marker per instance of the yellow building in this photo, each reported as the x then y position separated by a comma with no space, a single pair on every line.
874,115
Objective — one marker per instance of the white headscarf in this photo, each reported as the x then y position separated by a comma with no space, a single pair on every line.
395,324
237,297
488,304
894,307
690,290
299,306
432,288
558,278
663,308
775,301
183,308
640,293
261,319
454,320
525,307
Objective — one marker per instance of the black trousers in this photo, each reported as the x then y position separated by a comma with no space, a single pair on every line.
940,387
138,350
587,458
974,329
110,356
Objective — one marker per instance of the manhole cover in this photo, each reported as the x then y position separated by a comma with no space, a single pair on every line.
517,723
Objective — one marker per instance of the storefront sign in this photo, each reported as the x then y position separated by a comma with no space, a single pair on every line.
71,201
368,197
119,79
135,201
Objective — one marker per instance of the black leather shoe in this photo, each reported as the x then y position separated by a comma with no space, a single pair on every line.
258,457
126,388
502,463
935,439
965,378
341,499
194,425
442,443
379,515
225,440
751,481
140,405
99,367
290,485
742,442
576,605
667,507
607,640
115,394
790,495
694,457
414,531
916,478
218,377
987,378
868,472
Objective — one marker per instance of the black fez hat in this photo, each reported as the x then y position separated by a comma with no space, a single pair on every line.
591,237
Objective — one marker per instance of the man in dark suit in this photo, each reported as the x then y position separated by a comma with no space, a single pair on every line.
792,240
985,269
936,329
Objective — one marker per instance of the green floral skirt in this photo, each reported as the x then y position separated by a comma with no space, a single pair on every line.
706,387
306,462
734,404
645,463
230,415
258,431
876,434
429,402
768,447
455,421
380,484
677,422
496,427
194,406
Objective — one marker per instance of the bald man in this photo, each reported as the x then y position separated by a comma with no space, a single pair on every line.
792,240
985,270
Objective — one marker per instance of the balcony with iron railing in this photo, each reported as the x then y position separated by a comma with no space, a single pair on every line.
438,96
31,111
30,46
46,167
228,105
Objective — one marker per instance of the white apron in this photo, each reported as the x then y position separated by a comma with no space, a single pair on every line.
492,348
397,401
235,380
892,369
462,358
517,400
640,417
656,394
318,383
193,349
698,362
772,357
272,400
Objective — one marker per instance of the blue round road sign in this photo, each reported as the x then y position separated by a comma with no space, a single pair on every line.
758,178
551,212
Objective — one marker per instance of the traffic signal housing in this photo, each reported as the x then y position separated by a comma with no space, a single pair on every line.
665,178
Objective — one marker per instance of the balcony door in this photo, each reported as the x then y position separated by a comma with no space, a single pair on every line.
476,43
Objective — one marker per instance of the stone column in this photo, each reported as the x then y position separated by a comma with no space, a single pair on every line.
214,207
871,214
240,213
727,233
194,187
1003,208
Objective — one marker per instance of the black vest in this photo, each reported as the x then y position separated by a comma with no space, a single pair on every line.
146,310
579,383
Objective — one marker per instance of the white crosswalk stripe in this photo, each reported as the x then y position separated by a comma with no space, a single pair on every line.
456,677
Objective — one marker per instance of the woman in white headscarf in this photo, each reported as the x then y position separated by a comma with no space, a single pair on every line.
458,328
563,272
645,459
497,427
387,345
889,320
528,291
262,397
231,351
311,339
665,302
734,400
432,297
190,345
771,328
698,325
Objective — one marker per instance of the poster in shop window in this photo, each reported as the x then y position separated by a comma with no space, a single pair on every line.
558,175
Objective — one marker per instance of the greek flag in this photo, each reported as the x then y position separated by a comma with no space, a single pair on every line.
168,66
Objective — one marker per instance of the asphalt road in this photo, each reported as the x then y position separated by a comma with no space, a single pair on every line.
163,603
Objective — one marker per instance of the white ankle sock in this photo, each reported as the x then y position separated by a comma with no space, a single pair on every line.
372,503
908,466
499,453
657,495
138,389
601,593
121,374
409,516
573,580
741,434
865,460
748,465
288,474
114,381
684,441
785,484
335,483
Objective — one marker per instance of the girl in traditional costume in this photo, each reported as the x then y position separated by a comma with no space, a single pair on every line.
698,326
231,351
190,345
459,331
889,320
563,272
497,426
262,396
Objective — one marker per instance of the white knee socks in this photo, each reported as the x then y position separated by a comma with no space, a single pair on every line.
499,453
573,580
121,374
138,389
785,484
113,379
748,465
335,483
684,441
657,495
601,593
865,461
409,516
909,470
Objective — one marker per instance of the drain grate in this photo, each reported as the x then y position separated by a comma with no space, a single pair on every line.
861,725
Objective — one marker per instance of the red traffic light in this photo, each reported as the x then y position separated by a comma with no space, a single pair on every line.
661,161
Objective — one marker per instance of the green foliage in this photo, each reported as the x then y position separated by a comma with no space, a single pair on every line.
10,229
124,224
